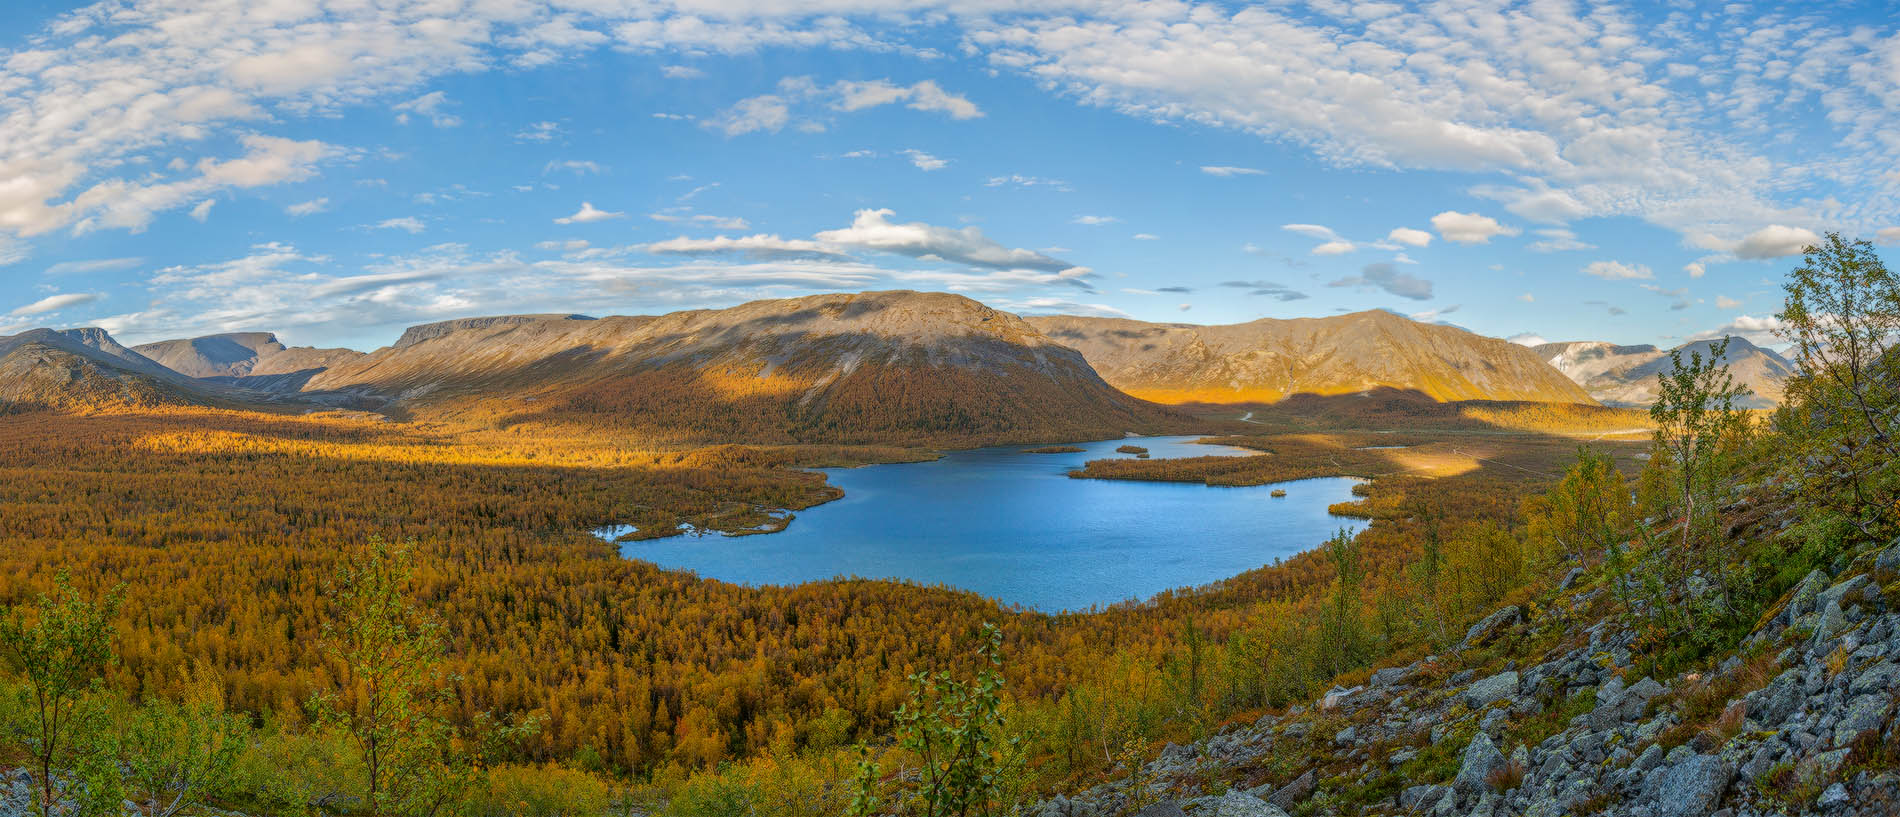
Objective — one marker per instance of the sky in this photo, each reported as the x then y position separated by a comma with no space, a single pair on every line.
336,170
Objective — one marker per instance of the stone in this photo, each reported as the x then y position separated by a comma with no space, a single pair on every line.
1165,808
1617,704
1833,798
1240,804
1492,626
1570,579
1481,758
1391,676
1690,788
1490,690
1802,600
1422,798
1345,736
1864,714
1296,792
1889,560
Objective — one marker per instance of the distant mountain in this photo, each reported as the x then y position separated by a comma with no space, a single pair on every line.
249,359
76,369
1626,375
874,366
1268,360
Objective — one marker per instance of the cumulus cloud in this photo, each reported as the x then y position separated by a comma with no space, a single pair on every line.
1387,277
793,102
1469,228
1761,331
1409,237
1887,235
202,210
588,214
432,106
1331,244
873,230
55,303
1725,302
924,161
1229,170
1618,271
1527,339
1775,241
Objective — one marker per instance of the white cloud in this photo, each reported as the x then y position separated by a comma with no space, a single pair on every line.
872,229
1527,339
1618,271
773,112
681,72
1229,170
1887,235
1762,331
701,220
1695,269
1311,231
1409,237
1559,239
579,167
1146,237
55,303
409,224
925,161
430,105
202,210
766,113
95,265
1775,241
1388,277
1469,228
588,215
539,132
1527,298
1335,247
1093,221
757,246
311,207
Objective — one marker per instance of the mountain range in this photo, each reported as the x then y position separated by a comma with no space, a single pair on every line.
1626,375
1267,360
864,367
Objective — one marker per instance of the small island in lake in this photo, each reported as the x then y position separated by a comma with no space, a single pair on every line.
1132,449
1054,449
1278,493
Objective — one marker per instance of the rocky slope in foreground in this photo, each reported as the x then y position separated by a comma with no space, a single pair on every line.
866,367
1541,712
1626,375
1267,360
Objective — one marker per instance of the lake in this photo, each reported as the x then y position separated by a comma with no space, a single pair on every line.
1013,526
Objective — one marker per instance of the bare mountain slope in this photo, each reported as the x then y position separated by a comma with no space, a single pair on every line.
251,359
874,366
1626,375
1268,360
77,369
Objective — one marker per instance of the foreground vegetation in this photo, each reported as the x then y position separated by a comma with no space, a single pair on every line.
331,615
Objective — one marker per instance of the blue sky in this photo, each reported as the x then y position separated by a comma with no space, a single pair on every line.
334,171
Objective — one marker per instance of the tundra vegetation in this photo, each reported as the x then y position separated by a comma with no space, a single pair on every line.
332,615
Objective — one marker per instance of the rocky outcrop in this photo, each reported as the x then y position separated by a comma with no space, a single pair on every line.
1801,720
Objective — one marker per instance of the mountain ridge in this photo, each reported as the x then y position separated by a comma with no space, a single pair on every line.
1270,359
1626,375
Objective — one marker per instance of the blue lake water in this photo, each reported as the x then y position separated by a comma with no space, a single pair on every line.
1013,526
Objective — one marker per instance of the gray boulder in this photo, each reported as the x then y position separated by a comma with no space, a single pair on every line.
1490,690
1422,798
1480,760
1691,788
1165,808
1864,714
1240,804
1296,792
1492,626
